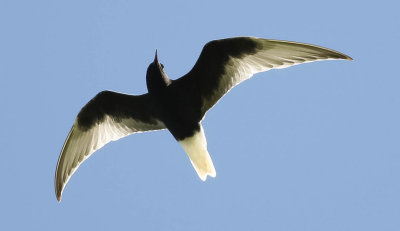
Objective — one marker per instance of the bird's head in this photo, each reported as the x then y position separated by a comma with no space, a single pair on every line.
156,78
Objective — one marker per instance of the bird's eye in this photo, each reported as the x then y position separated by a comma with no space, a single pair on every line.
162,66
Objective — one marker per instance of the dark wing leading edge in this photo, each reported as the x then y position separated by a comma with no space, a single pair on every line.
109,116
227,62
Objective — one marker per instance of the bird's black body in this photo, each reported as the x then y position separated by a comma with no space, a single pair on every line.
172,102
179,105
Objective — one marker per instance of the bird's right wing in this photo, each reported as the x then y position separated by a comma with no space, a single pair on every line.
107,117
227,62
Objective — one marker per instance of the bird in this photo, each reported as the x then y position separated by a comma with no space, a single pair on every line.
179,105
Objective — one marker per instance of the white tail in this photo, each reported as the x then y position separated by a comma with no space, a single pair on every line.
196,148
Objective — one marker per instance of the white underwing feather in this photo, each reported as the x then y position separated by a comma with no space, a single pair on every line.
80,144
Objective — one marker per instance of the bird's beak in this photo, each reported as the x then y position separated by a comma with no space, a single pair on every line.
156,58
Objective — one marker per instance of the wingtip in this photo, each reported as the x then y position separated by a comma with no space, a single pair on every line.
342,56
59,198
58,195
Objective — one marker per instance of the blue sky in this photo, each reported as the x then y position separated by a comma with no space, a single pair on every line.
311,147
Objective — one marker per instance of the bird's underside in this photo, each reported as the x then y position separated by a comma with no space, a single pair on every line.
179,105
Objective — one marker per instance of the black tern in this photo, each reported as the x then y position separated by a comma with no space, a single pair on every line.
179,105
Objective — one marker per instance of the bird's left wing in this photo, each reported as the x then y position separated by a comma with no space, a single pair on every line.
109,116
227,62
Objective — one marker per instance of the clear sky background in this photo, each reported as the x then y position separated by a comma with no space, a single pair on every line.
311,147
